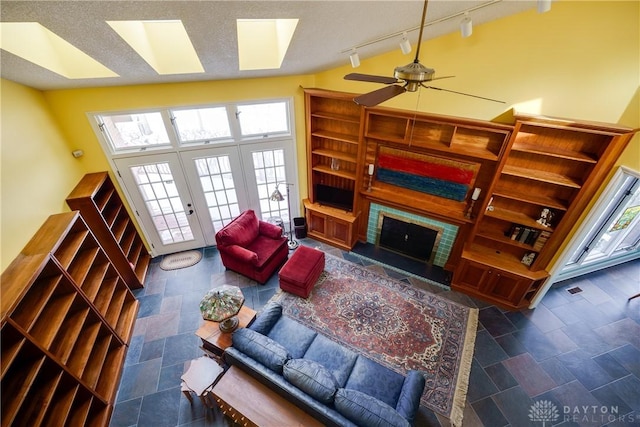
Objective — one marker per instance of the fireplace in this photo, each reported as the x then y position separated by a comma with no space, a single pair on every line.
445,234
411,238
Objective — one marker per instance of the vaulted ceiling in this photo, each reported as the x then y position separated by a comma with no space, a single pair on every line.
325,32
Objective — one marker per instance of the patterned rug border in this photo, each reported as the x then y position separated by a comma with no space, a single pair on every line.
458,401
401,271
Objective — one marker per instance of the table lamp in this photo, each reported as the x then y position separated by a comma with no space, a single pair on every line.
222,304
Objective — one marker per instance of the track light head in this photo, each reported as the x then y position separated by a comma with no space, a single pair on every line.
354,58
543,6
466,25
405,46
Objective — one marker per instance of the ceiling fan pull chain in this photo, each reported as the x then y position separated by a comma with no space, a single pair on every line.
415,116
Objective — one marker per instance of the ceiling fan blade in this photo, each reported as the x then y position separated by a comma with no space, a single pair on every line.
440,78
370,78
376,97
465,94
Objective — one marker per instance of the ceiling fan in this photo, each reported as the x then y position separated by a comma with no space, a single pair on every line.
413,76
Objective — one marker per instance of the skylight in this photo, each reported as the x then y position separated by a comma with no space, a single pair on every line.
165,45
263,43
35,43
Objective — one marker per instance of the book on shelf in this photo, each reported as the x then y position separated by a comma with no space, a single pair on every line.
524,235
541,240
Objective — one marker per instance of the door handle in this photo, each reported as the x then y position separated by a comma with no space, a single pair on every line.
190,212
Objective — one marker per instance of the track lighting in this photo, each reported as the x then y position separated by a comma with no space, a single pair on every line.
405,46
544,6
466,25
355,58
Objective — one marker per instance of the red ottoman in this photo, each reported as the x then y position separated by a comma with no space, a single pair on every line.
301,271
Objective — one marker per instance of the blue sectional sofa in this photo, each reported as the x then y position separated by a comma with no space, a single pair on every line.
336,385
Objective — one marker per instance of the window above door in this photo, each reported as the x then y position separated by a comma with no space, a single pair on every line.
128,132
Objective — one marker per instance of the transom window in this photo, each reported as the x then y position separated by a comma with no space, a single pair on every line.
201,124
134,131
263,119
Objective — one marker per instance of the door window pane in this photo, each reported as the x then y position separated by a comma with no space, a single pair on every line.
263,119
202,124
167,212
134,131
219,189
269,170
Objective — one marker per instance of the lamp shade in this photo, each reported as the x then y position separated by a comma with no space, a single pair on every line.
221,303
276,196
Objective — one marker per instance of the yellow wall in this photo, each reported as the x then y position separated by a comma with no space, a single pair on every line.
70,107
580,60
38,170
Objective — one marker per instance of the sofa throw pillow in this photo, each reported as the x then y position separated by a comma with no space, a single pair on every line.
260,348
312,378
267,318
367,411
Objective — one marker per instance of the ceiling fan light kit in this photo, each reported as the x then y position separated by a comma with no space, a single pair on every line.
414,74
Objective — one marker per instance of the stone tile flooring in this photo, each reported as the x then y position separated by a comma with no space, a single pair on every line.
578,352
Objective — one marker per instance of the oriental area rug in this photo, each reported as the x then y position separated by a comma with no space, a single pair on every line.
397,325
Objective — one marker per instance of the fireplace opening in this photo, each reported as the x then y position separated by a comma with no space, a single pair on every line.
409,238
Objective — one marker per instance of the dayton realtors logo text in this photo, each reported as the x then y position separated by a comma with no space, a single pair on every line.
546,412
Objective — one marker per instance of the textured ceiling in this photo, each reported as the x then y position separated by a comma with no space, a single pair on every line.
325,29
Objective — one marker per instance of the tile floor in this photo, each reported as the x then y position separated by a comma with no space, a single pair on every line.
578,352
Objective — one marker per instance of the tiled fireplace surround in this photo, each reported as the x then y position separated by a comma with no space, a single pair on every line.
447,237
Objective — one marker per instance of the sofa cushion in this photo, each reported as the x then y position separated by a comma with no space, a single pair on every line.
376,380
293,336
241,231
336,358
267,318
367,411
409,400
312,378
262,348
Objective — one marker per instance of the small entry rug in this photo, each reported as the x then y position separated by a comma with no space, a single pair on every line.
180,260
396,324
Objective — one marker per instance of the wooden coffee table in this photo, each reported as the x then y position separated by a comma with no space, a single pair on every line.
250,403
214,341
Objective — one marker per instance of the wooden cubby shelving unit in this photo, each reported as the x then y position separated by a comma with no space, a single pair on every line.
536,163
100,205
550,163
67,318
333,133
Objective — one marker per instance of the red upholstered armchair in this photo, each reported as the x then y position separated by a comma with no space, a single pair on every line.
252,247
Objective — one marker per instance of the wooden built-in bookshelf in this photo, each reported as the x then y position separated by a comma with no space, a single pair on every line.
503,248
101,207
67,319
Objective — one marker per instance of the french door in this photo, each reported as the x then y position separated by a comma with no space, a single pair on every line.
216,178
183,198
163,202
